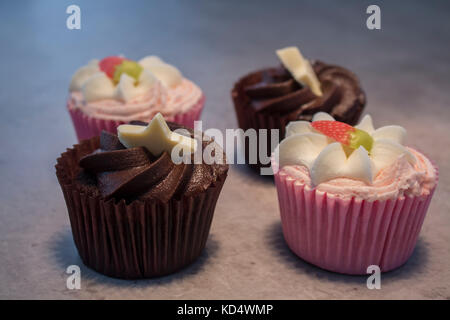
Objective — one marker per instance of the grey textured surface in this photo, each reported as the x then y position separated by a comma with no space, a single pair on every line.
404,68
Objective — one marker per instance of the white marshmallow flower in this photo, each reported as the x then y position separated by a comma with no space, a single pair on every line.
327,159
96,85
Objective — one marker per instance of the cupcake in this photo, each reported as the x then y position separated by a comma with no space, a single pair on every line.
351,197
270,98
104,94
135,210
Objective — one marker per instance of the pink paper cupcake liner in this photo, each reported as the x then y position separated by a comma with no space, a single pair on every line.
347,236
87,127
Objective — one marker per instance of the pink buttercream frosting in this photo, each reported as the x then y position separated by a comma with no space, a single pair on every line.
397,180
182,97
167,101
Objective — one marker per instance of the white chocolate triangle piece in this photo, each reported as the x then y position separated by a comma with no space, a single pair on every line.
297,127
301,149
385,152
156,137
332,163
322,116
366,124
300,68
393,133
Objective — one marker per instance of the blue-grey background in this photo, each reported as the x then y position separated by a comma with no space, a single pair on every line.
404,68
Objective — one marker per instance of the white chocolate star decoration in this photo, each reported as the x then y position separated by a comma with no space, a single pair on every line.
300,68
156,137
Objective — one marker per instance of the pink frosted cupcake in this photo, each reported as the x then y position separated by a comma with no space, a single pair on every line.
116,90
351,197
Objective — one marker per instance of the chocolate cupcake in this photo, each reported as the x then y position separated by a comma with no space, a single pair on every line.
271,98
135,213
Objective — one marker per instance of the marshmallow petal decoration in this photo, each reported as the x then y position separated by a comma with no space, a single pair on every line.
366,124
83,74
166,73
147,80
150,61
127,90
333,163
300,68
91,79
156,137
298,127
322,149
301,149
322,116
385,152
394,133
97,87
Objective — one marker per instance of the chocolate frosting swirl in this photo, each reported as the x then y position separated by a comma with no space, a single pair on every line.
134,173
275,91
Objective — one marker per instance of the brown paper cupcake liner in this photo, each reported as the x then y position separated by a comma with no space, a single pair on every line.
142,239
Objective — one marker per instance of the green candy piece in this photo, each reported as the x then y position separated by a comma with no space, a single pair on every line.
360,138
131,68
